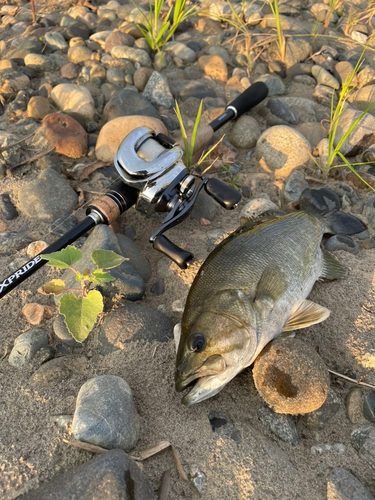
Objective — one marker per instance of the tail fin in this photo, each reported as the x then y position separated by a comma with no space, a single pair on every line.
326,203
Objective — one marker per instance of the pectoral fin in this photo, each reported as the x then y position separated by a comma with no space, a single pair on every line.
332,268
306,314
270,288
233,304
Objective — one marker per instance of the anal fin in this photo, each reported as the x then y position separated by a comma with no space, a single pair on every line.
307,313
332,268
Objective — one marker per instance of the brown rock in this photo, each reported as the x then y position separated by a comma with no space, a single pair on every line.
6,64
3,226
291,377
38,107
35,248
357,183
141,77
34,313
65,134
118,38
49,312
70,71
214,66
131,29
208,26
113,133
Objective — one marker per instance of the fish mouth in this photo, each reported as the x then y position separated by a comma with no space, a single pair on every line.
200,393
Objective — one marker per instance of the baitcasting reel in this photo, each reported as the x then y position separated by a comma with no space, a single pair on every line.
154,178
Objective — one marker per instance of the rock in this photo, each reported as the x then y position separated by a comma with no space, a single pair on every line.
55,371
296,50
55,41
35,248
244,133
70,71
184,89
113,133
115,76
12,81
111,475
342,71
126,102
305,80
77,30
370,211
36,313
255,208
158,288
318,418
312,131
65,134
178,49
363,441
62,332
198,479
204,207
341,242
47,198
293,187
105,414
369,406
8,210
215,236
323,77
74,98
19,105
141,77
135,257
127,283
365,77
274,83
132,54
320,449
157,91
291,377
39,63
214,66
28,46
38,107
134,322
283,111
26,346
342,485
12,241
282,426
323,94
116,38
281,150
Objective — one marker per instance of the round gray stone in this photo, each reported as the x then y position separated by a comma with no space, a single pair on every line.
244,133
157,91
26,346
127,102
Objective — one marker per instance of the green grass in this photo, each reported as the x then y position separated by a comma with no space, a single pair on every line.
158,27
274,4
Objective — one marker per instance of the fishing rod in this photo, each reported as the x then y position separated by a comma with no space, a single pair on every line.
154,178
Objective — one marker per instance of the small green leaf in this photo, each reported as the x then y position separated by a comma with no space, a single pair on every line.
64,258
106,259
81,314
98,277
84,276
57,287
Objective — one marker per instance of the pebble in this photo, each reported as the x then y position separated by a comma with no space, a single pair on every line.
223,425
74,98
363,134
77,30
47,198
128,282
17,263
132,54
12,81
342,70
282,426
256,207
65,134
60,369
320,449
113,75
105,414
157,91
204,207
113,133
39,63
19,105
199,479
369,406
293,187
354,405
38,107
317,419
281,150
55,41
363,441
35,248
62,225
26,346
141,77
62,332
274,83
283,111
127,102
312,131
12,241
342,485
296,50
323,77
70,71
36,313
305,80
109,475
214,66
183,89
245,133
291,377
158,288
370,211
25,48
134,322
341,242
180,50
323,94
215,236
116,38
8,210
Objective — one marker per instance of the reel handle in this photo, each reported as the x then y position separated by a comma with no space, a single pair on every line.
181,257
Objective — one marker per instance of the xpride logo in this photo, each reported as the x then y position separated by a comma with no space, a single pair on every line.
20,272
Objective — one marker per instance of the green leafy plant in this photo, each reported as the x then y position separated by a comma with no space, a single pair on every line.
232,180
189,145
158,27
81,312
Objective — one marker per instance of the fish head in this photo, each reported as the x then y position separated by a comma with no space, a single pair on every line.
215,346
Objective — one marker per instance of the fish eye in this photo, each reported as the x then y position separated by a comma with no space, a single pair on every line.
198,343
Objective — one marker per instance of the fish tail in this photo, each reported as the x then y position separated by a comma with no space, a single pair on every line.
326,203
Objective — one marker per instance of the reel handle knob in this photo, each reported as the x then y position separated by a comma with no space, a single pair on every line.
226,196
181,257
